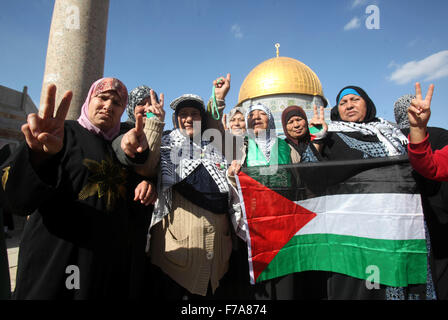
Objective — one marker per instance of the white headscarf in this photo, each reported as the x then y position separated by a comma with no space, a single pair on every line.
265,140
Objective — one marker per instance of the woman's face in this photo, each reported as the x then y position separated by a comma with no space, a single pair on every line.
105,110
142,107
258,120
352,108
296,127
186,117
237,124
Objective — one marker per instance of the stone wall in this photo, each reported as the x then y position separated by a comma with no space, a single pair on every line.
14,108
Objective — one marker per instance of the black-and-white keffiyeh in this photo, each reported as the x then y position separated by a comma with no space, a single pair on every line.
393,140
267,139
401,110
179,157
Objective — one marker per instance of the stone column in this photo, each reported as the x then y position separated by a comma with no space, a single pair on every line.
76,49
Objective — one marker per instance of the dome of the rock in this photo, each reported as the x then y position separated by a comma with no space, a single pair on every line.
280,75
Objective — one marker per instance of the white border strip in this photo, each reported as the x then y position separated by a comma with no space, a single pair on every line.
387,216
248,240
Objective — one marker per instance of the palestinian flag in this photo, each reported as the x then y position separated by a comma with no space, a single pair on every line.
339,216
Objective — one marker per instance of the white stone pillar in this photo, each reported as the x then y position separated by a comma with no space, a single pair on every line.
76,49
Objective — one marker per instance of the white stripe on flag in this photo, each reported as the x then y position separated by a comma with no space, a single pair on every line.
386,216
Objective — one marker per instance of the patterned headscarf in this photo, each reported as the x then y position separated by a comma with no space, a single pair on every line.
136,96
100,86
266,141
401,110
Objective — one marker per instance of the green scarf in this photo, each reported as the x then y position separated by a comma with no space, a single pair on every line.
280,154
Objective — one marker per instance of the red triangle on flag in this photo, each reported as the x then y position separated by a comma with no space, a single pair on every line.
272,219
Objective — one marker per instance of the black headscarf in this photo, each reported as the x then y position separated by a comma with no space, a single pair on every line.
371,109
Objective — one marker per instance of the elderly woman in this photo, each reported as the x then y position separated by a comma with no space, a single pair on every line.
356,133
190,234
296,129
85,237
237,123
263,145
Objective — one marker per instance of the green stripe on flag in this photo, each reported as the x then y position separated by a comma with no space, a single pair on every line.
400,262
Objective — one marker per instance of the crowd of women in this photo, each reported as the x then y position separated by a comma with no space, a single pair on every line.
130,211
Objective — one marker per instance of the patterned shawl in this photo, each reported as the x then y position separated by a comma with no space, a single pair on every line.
393,140
179,157
401,110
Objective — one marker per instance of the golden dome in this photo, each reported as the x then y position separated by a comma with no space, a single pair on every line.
280,75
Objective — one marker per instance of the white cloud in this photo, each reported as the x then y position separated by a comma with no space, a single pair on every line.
393,64
357,3
430,68
355,23
413,43
236,30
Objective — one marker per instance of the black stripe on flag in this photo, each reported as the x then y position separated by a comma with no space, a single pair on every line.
308,180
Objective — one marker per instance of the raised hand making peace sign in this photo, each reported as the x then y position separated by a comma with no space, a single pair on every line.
44,133
157,107
420,109
419,112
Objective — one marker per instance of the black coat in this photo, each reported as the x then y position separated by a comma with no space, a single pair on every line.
83,227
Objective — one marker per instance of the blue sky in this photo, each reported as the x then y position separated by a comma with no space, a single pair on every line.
181,46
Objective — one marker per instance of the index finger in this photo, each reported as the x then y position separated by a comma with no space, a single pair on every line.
139,124
228,77
418,91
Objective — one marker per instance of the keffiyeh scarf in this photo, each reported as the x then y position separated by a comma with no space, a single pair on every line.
393,140
179,157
